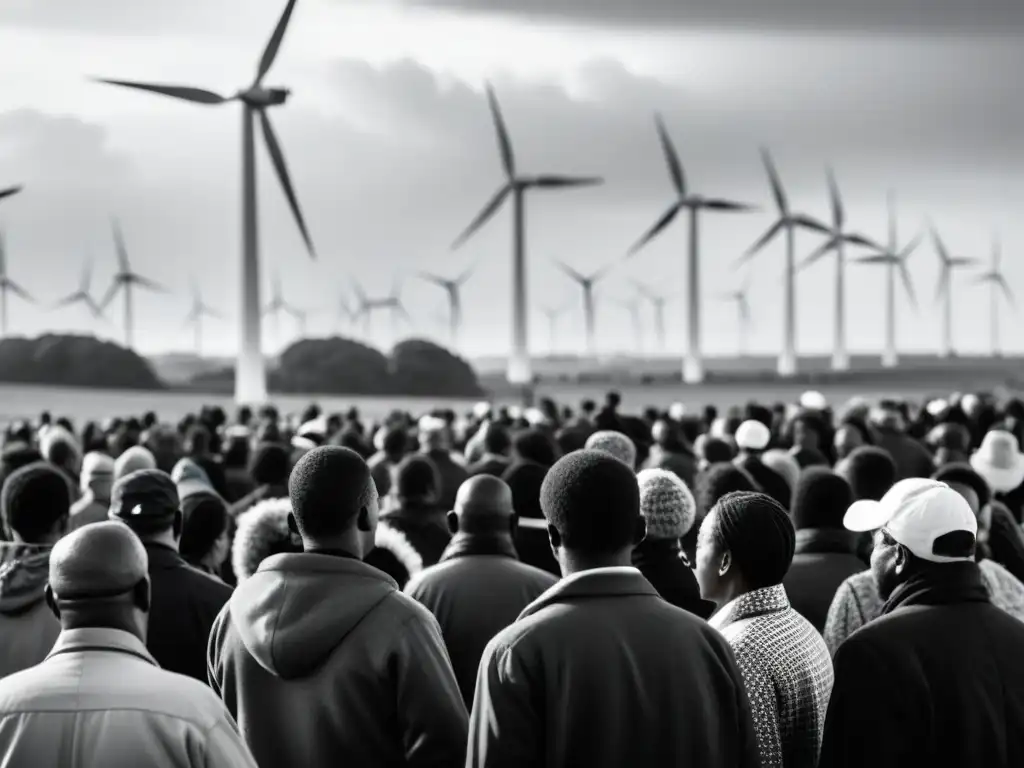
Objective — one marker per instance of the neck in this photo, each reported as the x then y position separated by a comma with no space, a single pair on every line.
577,562
163,538
103,617
347,542
731,591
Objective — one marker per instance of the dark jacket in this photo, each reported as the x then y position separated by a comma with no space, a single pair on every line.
28,628
664,565
452,476
938,680
490,465
323,662
532,543
911,458
185,603
770,481
477,590
824,559
425,527
600,671
1006,541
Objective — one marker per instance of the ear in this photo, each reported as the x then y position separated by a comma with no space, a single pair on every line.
640,530
555,538
51,601
292,525
363,522
726,563
141,595
179,520
453,523
902,559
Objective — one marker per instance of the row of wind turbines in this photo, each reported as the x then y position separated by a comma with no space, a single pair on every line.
256,99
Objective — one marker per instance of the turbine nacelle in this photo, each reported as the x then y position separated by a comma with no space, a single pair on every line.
259,97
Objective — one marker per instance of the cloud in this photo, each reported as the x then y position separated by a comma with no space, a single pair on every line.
1002,16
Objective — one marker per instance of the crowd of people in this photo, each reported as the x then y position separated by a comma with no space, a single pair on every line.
791,585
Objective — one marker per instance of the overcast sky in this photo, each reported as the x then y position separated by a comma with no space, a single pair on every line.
392,153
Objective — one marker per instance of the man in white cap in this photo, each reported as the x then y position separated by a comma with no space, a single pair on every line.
939,678
753,438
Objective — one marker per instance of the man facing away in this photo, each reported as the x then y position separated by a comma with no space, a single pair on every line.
479,587
938,679
600,671
744,549
99,697
320,657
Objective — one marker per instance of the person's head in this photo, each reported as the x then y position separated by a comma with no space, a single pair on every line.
395,442
667,434
615,444
417,481
821,499
98,579
534,445
808,431
197,441
717,481
204,530
97,476
964,480
666,504
587,407
497,440
592,504
852,434
870,472
434,434
713,450
147,501
60,448
783,463
753,437
999,460
270,464
483,506
35,503
745,543
921,526
134,459
164,443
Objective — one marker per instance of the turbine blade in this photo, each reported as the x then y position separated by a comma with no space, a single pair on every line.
912,246
86,279
1001,282
20,292
766,238
67,301
572,273
727,205
508,160
908,284
277,158
274,44
109,295
879,258
561,182
675,168
432,279
666,218
9,192
963,261
149,285
940,247
861,240
890,203
466,274
181,92
818,253
807,222
778,193
835,199
119,247
489,210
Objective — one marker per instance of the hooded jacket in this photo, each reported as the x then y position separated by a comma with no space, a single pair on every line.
28,629
323,662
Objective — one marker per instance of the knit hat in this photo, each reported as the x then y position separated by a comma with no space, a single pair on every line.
784,464
98,560
821,499
667,504
96,466
614,443
132,460
33,499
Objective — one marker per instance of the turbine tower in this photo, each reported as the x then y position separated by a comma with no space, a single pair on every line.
693,362
199,310
348,314
632,306
392,303
452,288
895,260
7,285
996,281
586,283
741,300
250,374
658,303
516,187
788,223
83,295
837,241
553,314
125,282
277,305
949,264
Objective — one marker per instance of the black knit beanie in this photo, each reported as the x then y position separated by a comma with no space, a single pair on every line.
821,499
33,499
758,533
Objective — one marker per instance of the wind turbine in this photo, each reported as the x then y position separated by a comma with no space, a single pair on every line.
895,260
788,223
452,288
125,282
838,239
83,295
693,362
553,314
632,306
949,264
7,285
516,186
658,303
997,283
346,312
741,299
277,305
9,191
392,302
586,283
250,375
199,310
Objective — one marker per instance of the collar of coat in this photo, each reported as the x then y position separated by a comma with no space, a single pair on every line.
467,545
622,581
758,602
948,584
100,639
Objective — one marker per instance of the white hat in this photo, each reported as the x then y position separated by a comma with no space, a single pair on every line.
915,513
936,407
813,401
676,411
999,461
752,435
482,409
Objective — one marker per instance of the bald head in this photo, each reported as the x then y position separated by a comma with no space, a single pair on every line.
96,561
484,504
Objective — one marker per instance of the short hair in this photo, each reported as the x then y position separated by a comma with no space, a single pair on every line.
395,441
33,500
757,532
534,445
497,439
593,500
821,499
416,476
614,443
327,488
870,471
204,520
717,481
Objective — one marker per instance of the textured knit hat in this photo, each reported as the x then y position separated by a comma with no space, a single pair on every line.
667,504
614,443
132,460
98,560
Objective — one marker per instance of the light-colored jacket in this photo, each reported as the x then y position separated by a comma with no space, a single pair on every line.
99,699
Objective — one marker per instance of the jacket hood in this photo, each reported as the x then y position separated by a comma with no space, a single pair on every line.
297,608
24,573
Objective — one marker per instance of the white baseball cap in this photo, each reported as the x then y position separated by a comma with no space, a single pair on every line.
915,513
753,435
